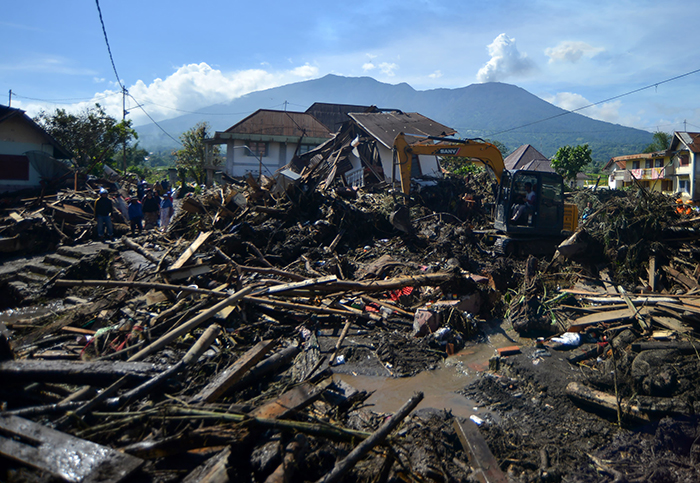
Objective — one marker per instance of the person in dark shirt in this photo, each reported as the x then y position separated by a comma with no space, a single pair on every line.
151,209
103,214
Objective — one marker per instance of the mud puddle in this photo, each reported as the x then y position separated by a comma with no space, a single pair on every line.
440,386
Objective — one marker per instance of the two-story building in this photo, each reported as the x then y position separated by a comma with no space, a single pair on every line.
676,170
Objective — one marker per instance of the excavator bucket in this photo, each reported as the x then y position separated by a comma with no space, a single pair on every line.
401,219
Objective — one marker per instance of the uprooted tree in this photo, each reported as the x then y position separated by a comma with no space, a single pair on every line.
93,136
570,160
191,160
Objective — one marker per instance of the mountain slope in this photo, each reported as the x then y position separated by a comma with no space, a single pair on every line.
492,110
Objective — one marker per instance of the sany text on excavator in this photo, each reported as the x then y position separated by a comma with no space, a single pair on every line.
529,204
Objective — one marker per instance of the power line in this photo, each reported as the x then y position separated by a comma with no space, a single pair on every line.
656,84
65,101
138,104
104,31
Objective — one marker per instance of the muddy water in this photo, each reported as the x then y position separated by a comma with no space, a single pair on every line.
439,386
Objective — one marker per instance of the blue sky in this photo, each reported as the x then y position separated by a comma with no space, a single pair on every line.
180,56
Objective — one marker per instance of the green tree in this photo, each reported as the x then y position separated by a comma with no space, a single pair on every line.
94,137
662,141
191,159
570,160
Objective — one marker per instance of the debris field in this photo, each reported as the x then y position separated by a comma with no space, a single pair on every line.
207,353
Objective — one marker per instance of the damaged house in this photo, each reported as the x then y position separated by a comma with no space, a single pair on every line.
360,152
267,140
28,154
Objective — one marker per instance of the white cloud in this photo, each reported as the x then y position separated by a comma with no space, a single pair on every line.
367,66
435,75
506,61
306,71
607,111
388,68
190,88
98,80
571,51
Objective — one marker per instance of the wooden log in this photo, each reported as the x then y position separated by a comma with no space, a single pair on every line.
603,401
636,312
266,366
187,326
480,456
233,373
140,285
293,453
100,373
346,464
139,249
290,402
213,470
339,343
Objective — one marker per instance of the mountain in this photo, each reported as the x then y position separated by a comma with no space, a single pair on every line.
493,110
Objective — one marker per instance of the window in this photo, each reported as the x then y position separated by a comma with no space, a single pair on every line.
14,167
305,148
257,149
683,160
648,163
635,164
659,163
684,185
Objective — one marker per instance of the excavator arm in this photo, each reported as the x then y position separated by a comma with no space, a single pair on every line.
472,151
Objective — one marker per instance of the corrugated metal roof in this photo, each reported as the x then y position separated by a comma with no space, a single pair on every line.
385,126
526,155
692,140
280,123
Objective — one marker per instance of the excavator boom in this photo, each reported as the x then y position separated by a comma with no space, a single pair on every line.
472,151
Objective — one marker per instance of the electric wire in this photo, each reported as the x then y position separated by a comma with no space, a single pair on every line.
656,84
138,104
104,31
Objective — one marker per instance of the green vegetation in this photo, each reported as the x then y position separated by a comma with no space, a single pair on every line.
92,136
570,160
191,159
662,141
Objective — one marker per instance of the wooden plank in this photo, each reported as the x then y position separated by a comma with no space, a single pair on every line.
187,254
652,273
480,456
290,402
233,373
100,373
65,456
671,323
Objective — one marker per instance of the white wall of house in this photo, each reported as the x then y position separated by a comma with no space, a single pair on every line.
17,138
240,162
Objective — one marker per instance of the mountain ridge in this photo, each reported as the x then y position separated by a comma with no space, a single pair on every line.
494,110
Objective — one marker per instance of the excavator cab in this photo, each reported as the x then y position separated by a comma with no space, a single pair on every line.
530,203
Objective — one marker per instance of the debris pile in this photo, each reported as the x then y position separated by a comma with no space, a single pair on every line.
206,352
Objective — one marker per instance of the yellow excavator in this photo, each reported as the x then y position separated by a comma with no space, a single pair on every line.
529,204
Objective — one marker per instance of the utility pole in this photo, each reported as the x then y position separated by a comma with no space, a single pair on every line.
123,121
9,103
685,122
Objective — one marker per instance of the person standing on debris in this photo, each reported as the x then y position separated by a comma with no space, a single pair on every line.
135,215
166,210
141,188
151,208
103,214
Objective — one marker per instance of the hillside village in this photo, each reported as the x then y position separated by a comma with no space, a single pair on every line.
546,328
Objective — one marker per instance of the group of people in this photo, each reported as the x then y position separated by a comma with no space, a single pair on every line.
150,208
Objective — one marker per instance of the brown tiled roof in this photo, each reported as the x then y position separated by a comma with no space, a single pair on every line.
280,123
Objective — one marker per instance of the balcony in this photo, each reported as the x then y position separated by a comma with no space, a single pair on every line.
626,175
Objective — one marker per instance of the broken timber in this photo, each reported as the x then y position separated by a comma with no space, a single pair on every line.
70,458
485,465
